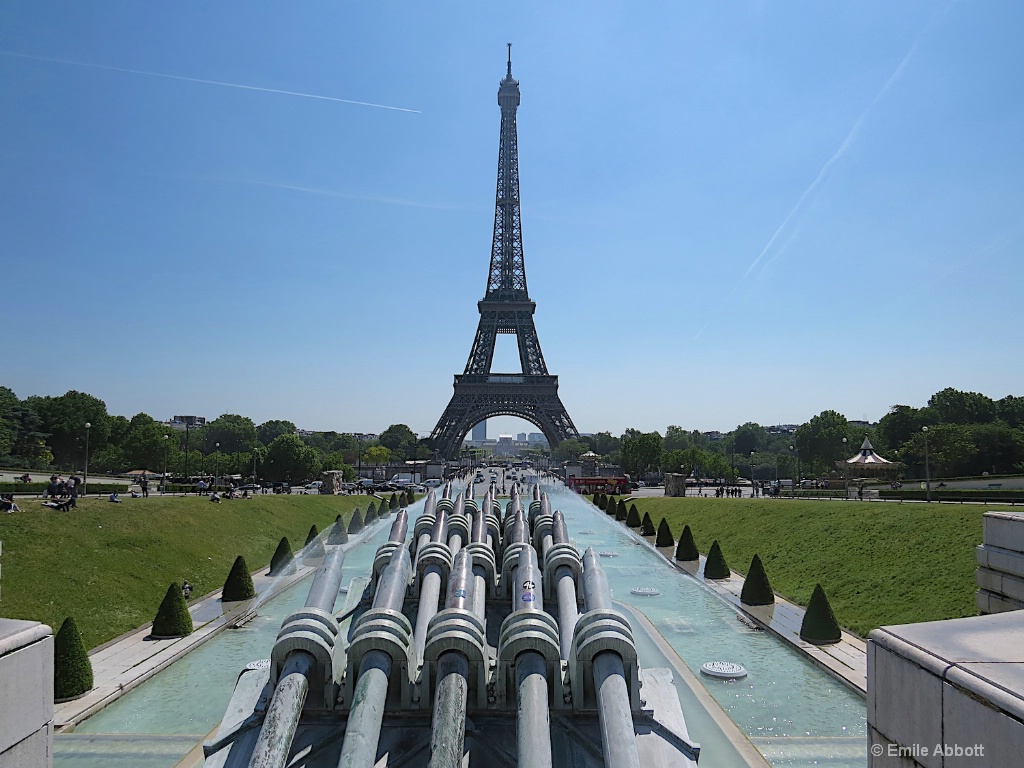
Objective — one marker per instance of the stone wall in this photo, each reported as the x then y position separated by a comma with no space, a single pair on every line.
947,693
26,694
1000,573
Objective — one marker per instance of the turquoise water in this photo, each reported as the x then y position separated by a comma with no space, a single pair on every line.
796,714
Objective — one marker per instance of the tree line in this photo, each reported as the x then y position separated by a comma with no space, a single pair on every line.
968,433
50,433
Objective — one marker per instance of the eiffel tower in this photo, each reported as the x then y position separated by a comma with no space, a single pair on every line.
506,308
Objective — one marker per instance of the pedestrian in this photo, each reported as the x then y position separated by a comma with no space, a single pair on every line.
144,485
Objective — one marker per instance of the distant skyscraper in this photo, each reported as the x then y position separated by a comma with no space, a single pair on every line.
521,437
480,431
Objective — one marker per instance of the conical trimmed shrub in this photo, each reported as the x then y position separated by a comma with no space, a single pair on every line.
337,534
72,670
408,500
686,549
314,546
602,501
597,498
355,523
633,518
620,510
172,618
393,502
282,557
715,566
311,536
238,585
610,505
371,515
757,590
337,519
665,538
647,525
819,625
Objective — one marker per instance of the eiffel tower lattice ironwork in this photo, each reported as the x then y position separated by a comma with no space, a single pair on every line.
506,308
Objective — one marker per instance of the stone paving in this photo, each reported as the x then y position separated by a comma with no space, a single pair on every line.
123,663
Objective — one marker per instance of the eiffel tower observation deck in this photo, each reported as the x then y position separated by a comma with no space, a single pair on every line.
506,307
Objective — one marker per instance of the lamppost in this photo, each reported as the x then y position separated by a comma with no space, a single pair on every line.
254,465
187,476
167,448
846,473
753,482
927,470
792,491
216,462
85,480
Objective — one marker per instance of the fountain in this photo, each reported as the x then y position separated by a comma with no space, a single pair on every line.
392,678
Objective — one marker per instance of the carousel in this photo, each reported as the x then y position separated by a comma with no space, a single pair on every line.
867,466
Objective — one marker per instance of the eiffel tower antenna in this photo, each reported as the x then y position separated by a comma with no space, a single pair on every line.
506,308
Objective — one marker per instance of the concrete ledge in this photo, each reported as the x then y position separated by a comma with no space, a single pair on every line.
954,684
26,694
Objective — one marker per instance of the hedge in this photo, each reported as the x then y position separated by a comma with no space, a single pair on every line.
238,585
72,670
715,566
172,618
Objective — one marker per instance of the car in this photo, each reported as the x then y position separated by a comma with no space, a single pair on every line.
479,479
248,487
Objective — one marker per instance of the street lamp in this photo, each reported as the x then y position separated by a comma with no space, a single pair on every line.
216,462
792,491
927,470
254,465
187,476
846,473
167,448
753,483
85,480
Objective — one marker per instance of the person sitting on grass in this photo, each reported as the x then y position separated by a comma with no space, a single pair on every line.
186,589
114,497
135,494
215,498
7,504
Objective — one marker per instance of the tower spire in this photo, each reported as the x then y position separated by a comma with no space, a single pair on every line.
509,60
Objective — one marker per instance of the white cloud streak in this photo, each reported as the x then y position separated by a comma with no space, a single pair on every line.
209,82
851,137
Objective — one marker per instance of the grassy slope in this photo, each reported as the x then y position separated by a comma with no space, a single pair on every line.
879,563
108,565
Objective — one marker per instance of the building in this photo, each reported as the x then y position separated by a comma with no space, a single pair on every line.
480,432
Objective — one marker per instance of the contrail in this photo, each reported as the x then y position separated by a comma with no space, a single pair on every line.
850,137
209,82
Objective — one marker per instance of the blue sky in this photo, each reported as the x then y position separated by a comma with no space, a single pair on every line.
738,211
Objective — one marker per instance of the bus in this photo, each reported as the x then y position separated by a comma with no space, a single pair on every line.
588,486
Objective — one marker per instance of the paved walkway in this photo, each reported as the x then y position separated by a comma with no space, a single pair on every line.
123,663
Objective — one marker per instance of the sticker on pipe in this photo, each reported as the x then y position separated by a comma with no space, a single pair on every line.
528,597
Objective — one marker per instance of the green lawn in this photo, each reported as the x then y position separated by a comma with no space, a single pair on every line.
879,563
108,565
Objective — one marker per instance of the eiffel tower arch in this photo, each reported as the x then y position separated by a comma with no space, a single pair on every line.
506,308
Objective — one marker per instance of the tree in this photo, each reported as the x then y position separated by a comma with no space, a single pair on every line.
749,437
952,406
951,451
677,438
1000,448
400,440
233,432
899,424
1010,410
757,590
568,450
268,431
641,452
686,548
377,454
674,461
64,419
820,440
146,444
288,457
